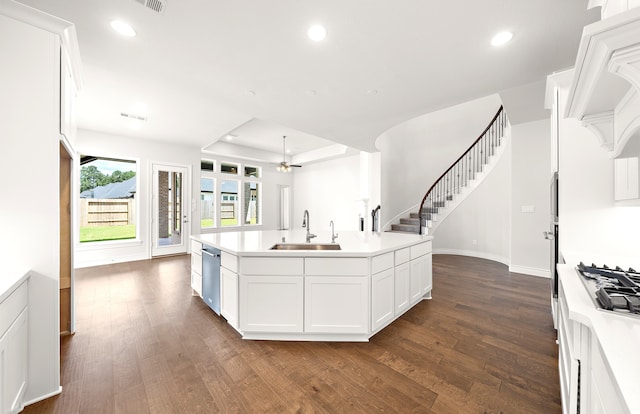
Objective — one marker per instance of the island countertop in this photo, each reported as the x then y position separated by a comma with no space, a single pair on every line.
352,243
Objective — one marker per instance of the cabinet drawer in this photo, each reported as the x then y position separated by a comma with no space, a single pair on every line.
420,249
12,306
382,262
196,247
229,261
276,266
196,263
343,266
402,256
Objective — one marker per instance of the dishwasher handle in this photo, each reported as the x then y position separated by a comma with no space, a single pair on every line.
211,254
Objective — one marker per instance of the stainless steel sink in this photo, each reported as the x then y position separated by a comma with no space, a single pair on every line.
305,246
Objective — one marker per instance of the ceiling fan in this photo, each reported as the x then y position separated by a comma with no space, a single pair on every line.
284,165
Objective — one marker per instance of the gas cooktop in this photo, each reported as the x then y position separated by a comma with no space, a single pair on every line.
613,289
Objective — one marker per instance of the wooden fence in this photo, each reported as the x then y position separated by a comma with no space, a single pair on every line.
107,212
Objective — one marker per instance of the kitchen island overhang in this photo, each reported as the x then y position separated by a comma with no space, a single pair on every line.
322,294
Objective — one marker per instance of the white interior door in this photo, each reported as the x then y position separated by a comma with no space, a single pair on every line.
170,228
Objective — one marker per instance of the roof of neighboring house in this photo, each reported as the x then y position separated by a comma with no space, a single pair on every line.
124,189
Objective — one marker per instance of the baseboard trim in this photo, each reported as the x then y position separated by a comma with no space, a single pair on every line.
106,260
43,397
472,253
533,271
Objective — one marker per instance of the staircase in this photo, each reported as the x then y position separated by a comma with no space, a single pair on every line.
458,180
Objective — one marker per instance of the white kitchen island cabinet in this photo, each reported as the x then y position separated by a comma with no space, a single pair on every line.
319,295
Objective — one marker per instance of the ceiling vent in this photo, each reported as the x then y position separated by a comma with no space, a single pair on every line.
137,117
155,5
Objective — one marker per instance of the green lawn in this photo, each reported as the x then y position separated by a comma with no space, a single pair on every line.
92,234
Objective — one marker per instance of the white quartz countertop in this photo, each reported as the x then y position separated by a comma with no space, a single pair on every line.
352,243
618,335
10,279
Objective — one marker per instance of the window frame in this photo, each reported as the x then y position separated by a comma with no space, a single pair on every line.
100,244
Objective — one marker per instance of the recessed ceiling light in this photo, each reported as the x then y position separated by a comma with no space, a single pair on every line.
317,33
123,28
229,137
501,38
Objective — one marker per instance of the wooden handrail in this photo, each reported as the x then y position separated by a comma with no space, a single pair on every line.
493,120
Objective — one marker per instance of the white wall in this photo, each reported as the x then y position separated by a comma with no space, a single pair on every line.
480,225
417,152
334,190
145,152
530,186
30,190
590,220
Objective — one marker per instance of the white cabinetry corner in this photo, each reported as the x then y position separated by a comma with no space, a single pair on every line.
420,272
13,350
196,267
229,288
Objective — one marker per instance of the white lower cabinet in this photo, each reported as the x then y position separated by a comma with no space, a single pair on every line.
196,267
382,298
13,350
229,296
421,277
402,289
336,304
271,303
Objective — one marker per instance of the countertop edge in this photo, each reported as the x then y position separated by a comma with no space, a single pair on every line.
609,330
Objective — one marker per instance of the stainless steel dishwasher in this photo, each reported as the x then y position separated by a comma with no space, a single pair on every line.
211,277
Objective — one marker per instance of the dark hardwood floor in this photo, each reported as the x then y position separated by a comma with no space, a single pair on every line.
485,343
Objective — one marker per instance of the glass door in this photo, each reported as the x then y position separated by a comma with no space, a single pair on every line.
170,210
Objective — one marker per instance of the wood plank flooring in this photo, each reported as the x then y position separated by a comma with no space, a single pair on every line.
485,343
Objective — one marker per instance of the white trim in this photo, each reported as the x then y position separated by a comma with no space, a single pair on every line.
111,260
42,397
533,271
472,253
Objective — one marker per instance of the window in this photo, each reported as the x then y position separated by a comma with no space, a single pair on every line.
207,202
251,203
229,203
107,199
206,165
251,172
228,168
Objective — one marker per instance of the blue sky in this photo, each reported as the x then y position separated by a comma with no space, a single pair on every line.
107,167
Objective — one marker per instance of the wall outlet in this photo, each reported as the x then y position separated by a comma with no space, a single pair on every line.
527,209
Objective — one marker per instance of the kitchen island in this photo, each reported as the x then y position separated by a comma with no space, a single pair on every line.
313,291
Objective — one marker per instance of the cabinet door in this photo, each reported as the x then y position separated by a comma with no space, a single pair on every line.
427,276
417,278
382,296
271,303
13,365
196,283
336,304
402,288
229,296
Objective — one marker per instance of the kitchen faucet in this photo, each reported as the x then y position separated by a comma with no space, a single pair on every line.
333,235
306,223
